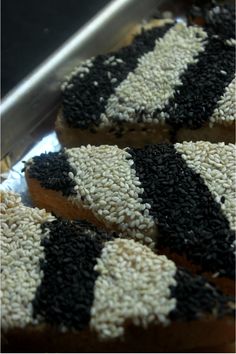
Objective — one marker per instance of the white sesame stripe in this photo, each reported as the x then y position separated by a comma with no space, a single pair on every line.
20,253
154,80
226,106
216,165
82,70
109,187
133,284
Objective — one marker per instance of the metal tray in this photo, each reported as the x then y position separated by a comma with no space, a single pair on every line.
28,112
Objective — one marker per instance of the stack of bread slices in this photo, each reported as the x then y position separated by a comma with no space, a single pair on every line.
130,245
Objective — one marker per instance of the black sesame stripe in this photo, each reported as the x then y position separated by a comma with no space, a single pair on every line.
52,170
66,293
83,102
195,298
221,19
202,84
189,220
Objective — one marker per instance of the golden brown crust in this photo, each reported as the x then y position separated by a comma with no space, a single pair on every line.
224,284
138,135
60,205
177,337
55,202
218,133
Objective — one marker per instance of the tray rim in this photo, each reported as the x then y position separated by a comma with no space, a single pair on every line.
23,100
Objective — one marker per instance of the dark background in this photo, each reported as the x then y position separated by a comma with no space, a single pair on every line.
33,29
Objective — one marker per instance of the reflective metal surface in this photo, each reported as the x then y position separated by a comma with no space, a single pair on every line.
38,95
14,178
29,111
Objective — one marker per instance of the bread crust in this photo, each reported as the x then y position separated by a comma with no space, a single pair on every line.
177,337
138,135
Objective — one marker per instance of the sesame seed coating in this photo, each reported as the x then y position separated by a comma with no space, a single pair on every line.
85,95
107,184
221,18
136,286
202,85
216,165
226,106
153,81
71,274
190,221
133,284
66,292
175,75
136,191
82,71
21,251
53,171
9,200
195,298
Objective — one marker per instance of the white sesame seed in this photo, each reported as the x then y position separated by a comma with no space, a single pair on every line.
231,42
161,69
217,168
129,276
20,274
111,189
71,175
81,69
225,111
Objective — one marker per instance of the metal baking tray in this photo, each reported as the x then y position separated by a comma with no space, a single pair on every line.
28,112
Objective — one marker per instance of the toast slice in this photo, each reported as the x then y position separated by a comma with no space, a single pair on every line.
172,83
178,199
63,279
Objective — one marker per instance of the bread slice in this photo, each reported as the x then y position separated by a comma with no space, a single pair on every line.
69,286
172,83
178,199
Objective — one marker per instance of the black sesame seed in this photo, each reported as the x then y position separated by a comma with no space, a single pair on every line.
195,297
222,199
52,170
202,84
221,19
189,220
82,105
66,293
